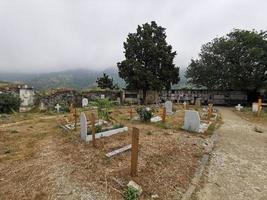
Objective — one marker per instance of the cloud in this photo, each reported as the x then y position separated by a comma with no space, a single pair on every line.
53,35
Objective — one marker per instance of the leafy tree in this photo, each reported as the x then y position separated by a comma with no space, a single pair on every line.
9,103
236,61
148,63
105,82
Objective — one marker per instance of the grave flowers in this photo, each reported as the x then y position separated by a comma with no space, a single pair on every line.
145,113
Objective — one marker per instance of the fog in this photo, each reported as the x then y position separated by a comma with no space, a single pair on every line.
54,35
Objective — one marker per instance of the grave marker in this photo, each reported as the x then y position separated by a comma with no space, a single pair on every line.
83,122
185,105
134,151
84,102
93,128
168,106
191,121
210,108
57,107
163,114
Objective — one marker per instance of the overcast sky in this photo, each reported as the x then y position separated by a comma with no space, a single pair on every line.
54,35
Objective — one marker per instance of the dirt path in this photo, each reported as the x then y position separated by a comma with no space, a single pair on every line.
237,168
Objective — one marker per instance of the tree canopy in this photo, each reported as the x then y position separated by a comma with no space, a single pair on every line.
148,63
105,82
237,61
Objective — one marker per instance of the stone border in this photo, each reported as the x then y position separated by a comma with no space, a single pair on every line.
199,172
107,133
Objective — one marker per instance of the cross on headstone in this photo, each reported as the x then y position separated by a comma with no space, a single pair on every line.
57,107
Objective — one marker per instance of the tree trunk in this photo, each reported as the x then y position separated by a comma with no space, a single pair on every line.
144,97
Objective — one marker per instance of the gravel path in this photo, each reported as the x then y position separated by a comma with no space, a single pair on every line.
238,166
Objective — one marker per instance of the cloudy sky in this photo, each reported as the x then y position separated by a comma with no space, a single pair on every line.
54,35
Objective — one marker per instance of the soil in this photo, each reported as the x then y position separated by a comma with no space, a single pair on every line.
237,168
38,160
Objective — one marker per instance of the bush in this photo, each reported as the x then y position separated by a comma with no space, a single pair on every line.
103,108
131,194
144,113
9,103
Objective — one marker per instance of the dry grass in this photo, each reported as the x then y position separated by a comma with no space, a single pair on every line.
248,115
39,161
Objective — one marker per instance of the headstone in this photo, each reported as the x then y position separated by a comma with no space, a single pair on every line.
255,107
84,102
239,107
191,121
168,106
42,106
57,107
185,104
102,96
83,124
198,102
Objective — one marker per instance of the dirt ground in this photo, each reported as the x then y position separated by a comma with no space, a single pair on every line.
38,160
237,168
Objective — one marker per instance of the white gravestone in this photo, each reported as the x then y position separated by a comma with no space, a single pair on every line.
83,124
168,106
84,102
191,121
57,107
255,107
102,96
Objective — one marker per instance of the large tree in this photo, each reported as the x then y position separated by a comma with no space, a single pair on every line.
236,61
105,82
148,63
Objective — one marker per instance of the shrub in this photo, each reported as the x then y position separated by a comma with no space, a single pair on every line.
144,113
103,108
9,103
131,194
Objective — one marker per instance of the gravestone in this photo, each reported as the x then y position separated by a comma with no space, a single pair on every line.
198,102
102,96
42,106
255,107
191,121
184,104
83,124
168,106
84,102
57,107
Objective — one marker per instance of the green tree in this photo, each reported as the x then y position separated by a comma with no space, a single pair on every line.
105,82
9,103
148,63
236,61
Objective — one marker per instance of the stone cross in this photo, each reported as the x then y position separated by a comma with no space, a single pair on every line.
57,107
191,121
83,131
239,107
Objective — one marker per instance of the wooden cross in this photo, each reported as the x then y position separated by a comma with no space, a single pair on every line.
210,108
259,107
134,151
131,113
164,114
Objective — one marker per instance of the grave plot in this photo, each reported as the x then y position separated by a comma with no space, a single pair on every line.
104,126
256,113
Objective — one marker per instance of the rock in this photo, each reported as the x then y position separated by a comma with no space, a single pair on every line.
135,186
258,129
154,196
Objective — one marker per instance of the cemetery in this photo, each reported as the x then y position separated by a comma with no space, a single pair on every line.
96,143
78,120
